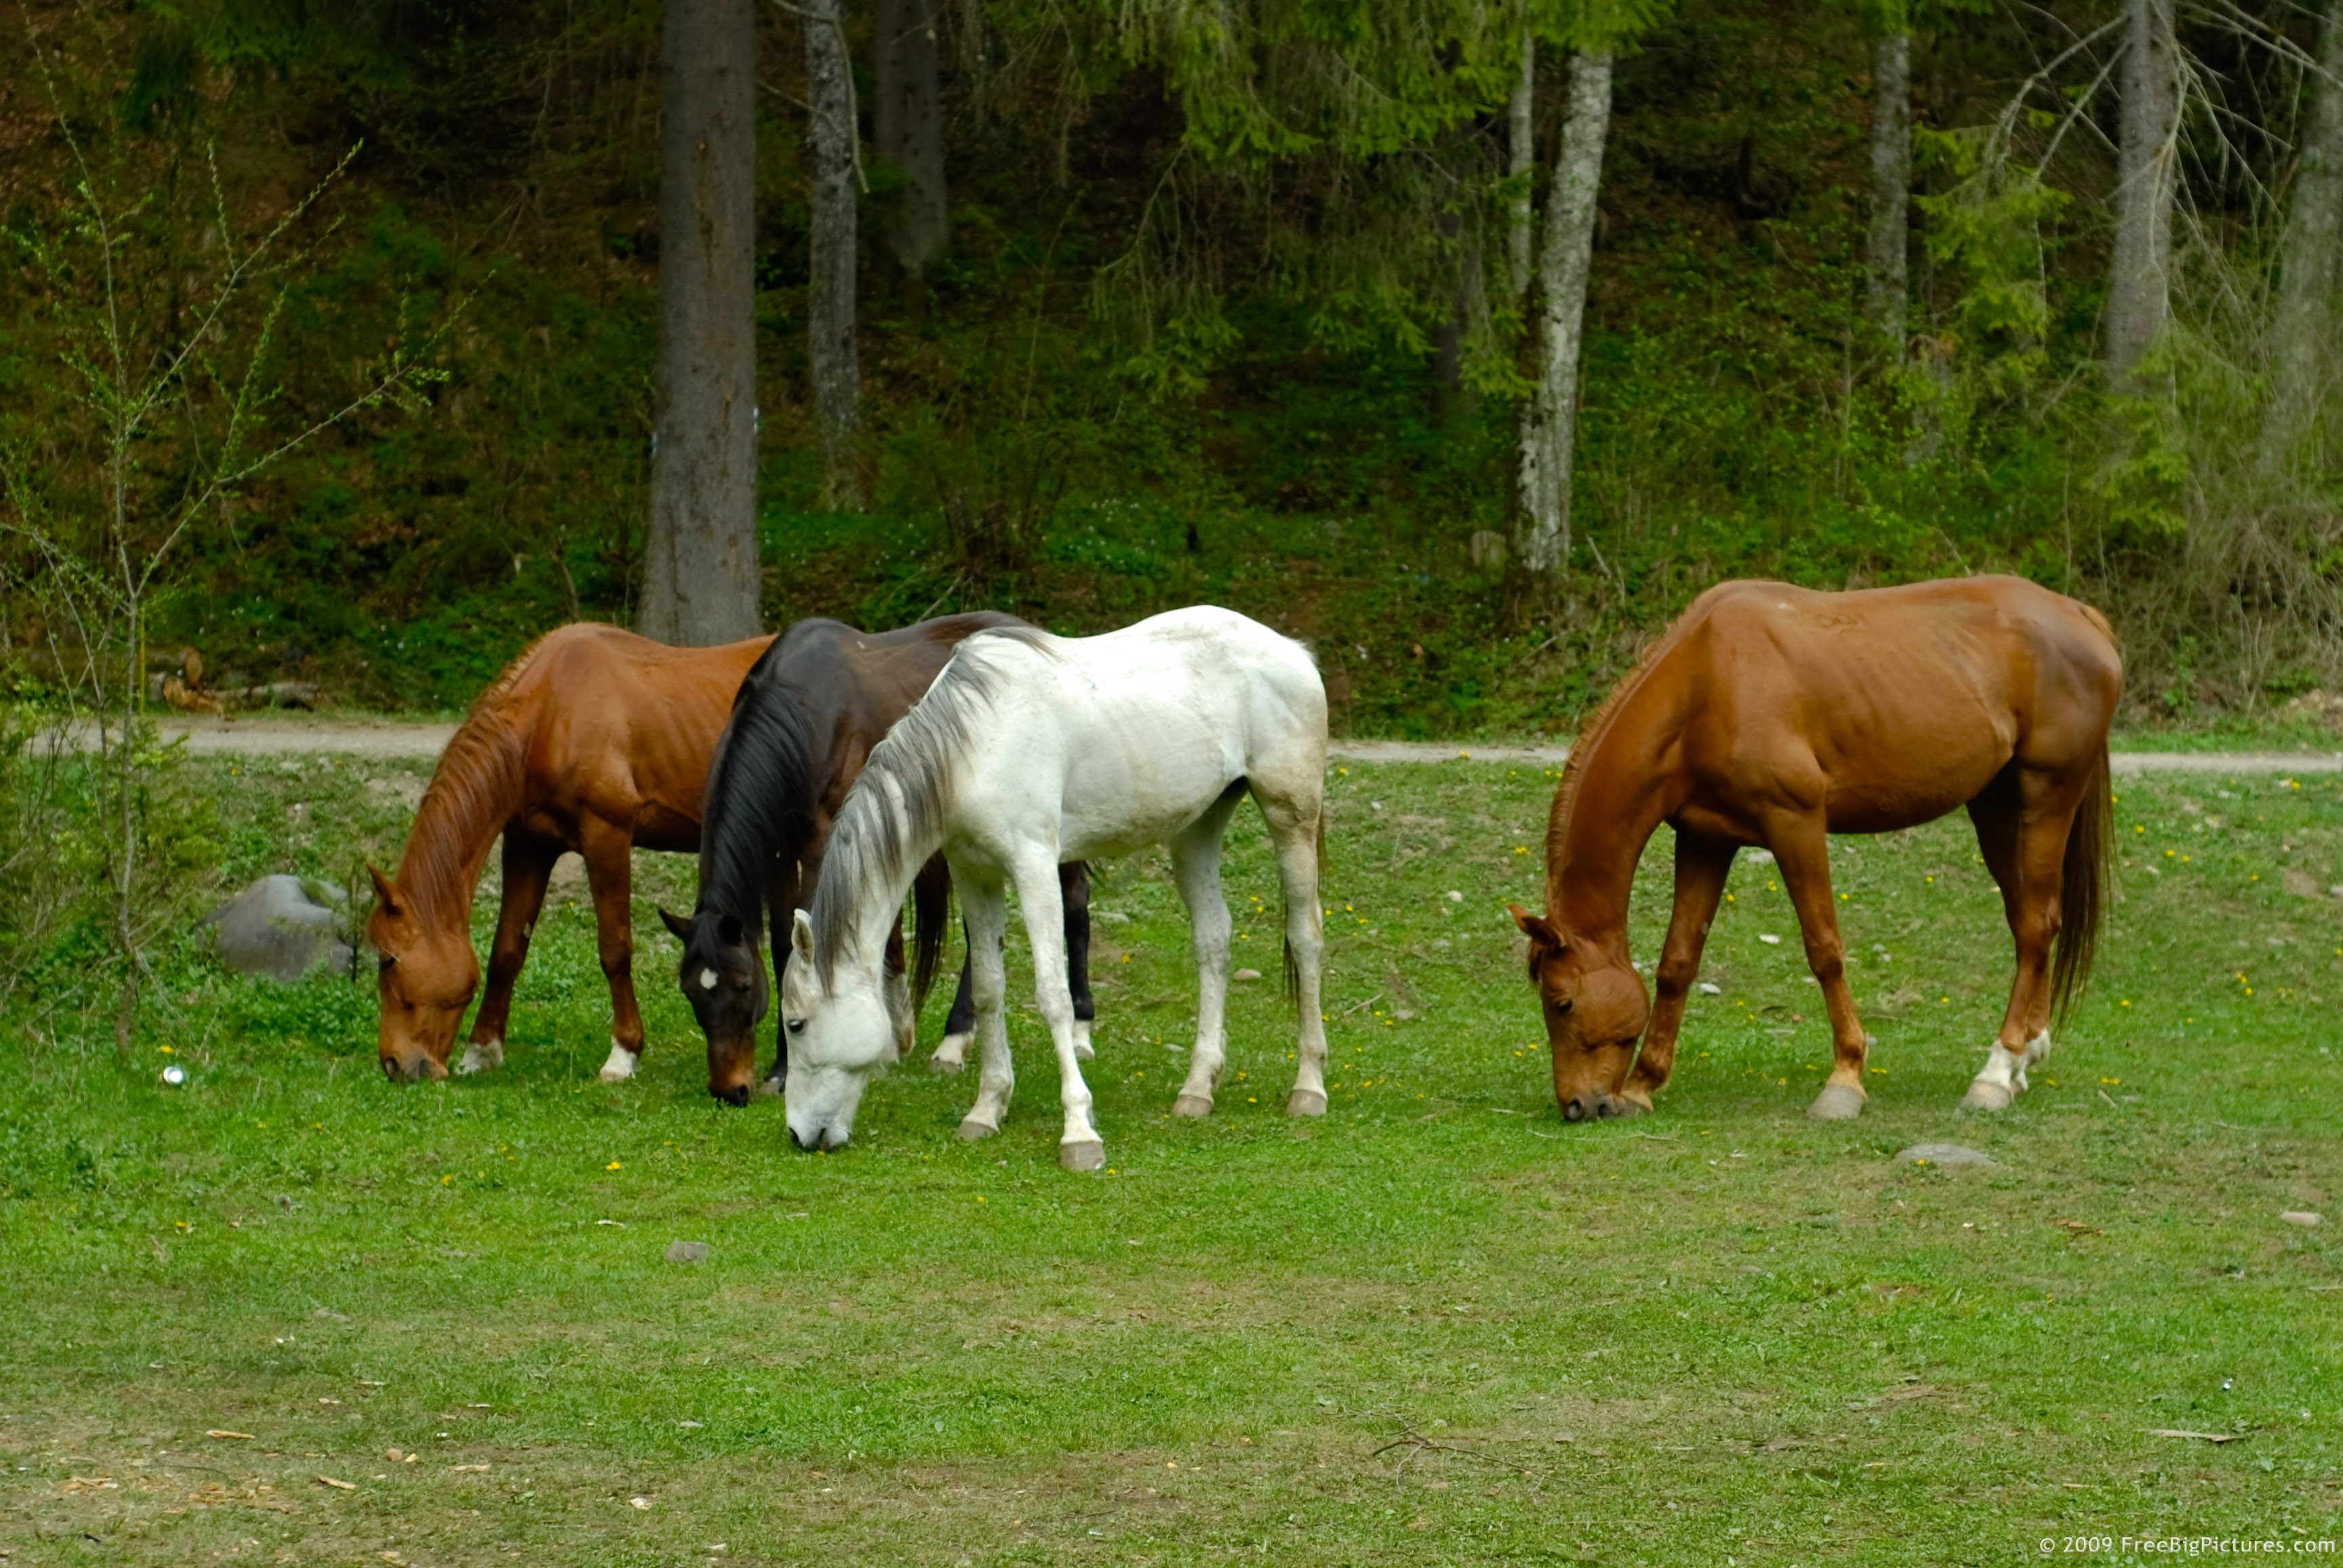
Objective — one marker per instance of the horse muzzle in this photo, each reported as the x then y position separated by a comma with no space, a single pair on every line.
418,1069
1596,1106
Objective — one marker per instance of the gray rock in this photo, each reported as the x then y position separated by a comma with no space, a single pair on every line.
1943,1154
687,1251
285,927
2302,1217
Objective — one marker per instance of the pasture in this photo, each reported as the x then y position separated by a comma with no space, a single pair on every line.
1438,1326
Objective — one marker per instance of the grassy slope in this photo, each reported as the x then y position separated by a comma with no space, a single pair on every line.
1722,1334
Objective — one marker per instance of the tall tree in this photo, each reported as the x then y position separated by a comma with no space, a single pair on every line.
907,126
831,303
1549,421
2139,282
2307,260
1521,147
700,552
1891,176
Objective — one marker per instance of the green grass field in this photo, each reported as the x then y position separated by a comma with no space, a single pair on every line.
1439,1326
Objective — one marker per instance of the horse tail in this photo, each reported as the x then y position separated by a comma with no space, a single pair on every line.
2083,889
1293,968
931,914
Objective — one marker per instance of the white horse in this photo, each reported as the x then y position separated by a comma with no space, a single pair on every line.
1032,750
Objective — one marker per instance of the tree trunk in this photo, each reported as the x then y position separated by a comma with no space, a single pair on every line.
2307,260
1550,421
699,553
1890,184
829,308
907,124
1521,134
2139,285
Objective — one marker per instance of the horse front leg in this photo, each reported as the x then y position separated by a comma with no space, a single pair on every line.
608,851
528,865
1801,846
1701,867
1080,1148
985,909
1074,892
951,1054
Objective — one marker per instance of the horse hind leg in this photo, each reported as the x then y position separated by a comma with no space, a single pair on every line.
1293,832
1196,866
609,852
2021,833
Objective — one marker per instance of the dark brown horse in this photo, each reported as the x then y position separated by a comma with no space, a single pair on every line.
806,718
593,740
1773,715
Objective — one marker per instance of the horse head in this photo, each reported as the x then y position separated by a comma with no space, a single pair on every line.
839,1032
427,978
1596,1009
723,978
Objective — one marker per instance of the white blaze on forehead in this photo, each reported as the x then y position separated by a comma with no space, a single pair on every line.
708,980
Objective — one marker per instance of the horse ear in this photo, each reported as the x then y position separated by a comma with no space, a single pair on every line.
679,926
386,895
729,931
1540,931
802,936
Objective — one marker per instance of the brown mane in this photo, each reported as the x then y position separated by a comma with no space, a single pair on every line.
474,792
1590,735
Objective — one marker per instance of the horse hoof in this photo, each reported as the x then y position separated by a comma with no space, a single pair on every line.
945,1064
1089,1154
1630,1105
1191,1105
970,1130
1083,1041
767,1089
480,1056
1984,1096
1837,1103
1305,1102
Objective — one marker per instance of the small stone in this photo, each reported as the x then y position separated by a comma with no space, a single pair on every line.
175,1075
1710,988
1943,1154
1454,897
687,1251
1246,974
1769,939
2302,1217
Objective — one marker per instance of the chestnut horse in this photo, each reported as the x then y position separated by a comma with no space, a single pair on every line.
593,740
1770,715
806,719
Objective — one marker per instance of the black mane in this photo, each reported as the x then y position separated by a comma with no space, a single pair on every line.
762,789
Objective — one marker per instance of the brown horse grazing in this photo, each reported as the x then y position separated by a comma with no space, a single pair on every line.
1773,715
594,739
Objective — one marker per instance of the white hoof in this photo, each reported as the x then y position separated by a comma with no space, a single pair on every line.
621,1065
767,1089
2002,1077
1082,1040
951,1053
1083,1154
480,1056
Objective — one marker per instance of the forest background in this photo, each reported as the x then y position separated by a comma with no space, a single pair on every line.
1184,302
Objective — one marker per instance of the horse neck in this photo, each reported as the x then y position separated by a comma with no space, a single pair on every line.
475,791
1622,791
873,892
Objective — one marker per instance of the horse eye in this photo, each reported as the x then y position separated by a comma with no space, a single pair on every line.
1566,1006
796,1026
387,961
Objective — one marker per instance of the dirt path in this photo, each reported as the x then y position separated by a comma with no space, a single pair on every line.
397,739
